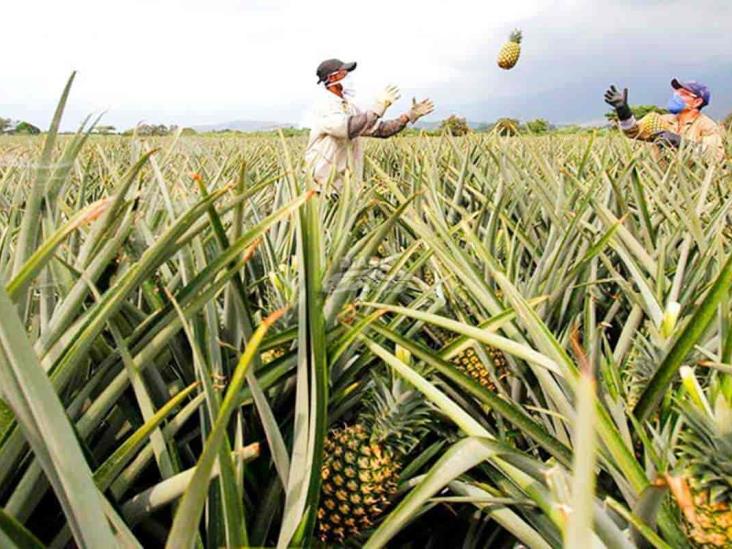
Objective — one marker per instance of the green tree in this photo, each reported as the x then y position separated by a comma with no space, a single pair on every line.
507,126
293,132
539,125
26,128
105,130
5,125
455,125
639,111
148,130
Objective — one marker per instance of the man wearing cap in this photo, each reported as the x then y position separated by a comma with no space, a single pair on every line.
685,123
338,124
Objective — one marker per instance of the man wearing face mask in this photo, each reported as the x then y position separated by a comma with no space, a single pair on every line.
686,123
338,125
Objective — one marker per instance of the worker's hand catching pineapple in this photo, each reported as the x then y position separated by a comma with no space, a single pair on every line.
685,122
386,99
619,101
420,109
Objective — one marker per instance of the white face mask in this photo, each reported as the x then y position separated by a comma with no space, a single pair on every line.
348,85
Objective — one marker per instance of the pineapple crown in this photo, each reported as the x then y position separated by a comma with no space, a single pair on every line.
706,443
515,36
395,415
639,367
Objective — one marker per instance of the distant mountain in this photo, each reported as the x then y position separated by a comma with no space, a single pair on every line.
243,126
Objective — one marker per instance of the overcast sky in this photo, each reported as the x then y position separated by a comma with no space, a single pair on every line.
196,62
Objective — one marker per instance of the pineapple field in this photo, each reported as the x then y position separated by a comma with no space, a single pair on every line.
489,342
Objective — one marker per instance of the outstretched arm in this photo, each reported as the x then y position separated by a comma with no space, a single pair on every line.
618,100
387,128
369,124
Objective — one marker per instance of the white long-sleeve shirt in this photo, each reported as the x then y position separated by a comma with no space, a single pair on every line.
335,143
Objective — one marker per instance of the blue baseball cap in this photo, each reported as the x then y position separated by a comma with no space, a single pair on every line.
697,88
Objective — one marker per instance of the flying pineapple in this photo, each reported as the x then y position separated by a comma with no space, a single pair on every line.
362,461
706,454
651,124
509,54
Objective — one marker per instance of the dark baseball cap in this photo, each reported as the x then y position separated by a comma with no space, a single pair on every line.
697,88
330,66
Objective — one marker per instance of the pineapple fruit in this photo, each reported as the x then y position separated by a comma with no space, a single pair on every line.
706,455
651,124
469,363
509,53
362,461
273,354
428,277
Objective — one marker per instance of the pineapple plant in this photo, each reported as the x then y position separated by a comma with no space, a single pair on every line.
638,369
362,461
651,124
381,188
706,456
509,53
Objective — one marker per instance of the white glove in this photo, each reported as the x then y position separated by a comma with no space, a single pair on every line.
386,99
420,109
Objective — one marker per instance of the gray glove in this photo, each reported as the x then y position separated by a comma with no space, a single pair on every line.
619,101
667,139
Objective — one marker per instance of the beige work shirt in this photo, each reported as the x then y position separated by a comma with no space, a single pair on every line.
329,147
702,131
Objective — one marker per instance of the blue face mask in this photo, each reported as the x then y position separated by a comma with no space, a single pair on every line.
676,104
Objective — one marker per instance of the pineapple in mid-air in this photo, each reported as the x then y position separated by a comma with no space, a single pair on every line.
362,461
706,455
651,124
509,54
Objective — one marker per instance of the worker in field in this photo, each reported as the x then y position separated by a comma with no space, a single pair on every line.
685,124
338,125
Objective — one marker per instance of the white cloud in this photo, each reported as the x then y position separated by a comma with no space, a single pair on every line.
223,57
194,62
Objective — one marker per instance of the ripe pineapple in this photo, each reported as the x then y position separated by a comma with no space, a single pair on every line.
469,363
509,54
428,277
706,452
273,354
651,124
362,461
